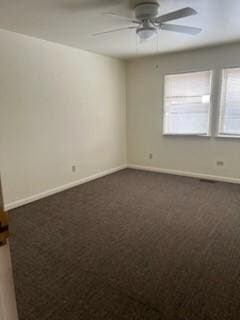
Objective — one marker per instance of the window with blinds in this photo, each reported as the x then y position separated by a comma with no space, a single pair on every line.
229,121
187,103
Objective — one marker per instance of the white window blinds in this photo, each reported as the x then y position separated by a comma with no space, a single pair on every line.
229,122
187,103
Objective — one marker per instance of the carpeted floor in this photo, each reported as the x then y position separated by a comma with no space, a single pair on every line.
133,245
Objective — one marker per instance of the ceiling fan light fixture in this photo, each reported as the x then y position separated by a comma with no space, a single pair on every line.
148,22
146,33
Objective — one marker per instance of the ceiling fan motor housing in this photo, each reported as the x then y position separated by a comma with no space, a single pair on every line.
147,10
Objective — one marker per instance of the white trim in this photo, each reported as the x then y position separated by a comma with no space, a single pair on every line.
231,136
186,135
185,173
70,185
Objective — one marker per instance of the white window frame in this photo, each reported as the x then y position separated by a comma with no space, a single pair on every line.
209,133
221,106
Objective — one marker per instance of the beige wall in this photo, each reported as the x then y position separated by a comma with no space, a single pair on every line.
59,107
145,111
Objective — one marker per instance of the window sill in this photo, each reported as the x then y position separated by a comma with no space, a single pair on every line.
186,135
228,136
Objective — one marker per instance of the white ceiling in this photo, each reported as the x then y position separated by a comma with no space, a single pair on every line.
66,22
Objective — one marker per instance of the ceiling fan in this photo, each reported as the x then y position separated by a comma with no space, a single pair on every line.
147,22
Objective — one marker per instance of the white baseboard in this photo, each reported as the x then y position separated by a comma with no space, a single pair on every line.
185,173
70,185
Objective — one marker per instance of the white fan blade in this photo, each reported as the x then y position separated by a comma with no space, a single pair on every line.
121,17
114,30
180,29
182,13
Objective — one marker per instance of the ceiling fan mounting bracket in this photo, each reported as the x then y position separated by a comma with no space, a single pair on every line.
146,10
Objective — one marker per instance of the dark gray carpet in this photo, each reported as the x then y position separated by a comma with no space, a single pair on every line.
133,245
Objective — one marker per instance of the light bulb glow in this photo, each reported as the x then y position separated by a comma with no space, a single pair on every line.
206,99
145,34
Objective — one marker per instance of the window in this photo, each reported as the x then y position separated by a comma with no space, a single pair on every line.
187,103
229,120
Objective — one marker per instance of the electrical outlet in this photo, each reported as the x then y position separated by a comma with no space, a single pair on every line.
74,168
220,163
150,156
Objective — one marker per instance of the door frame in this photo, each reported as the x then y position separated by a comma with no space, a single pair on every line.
8,305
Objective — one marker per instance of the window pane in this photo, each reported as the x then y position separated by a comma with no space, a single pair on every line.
187,103
230,104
